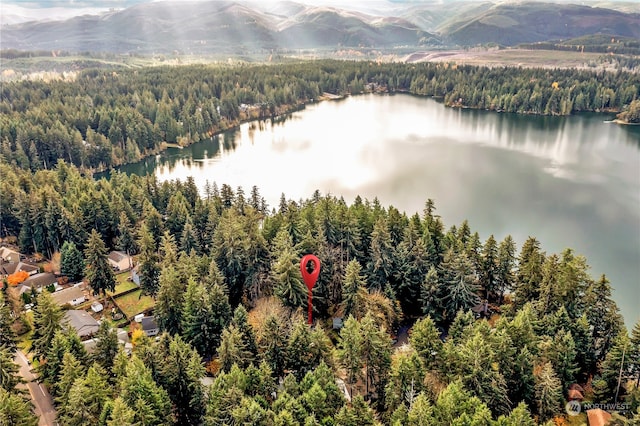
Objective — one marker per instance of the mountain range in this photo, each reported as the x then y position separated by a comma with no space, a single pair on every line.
199,27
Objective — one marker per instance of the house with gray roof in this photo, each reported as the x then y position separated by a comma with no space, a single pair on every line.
82,322
69,296
39,281
9,255
9,268
150,326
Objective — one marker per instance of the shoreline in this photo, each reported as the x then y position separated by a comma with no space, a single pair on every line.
624,123
288,109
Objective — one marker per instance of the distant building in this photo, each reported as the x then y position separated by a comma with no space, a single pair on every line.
9,255
9,268
97,307
39,281
149,326
82,322
119,261
69,296
123,339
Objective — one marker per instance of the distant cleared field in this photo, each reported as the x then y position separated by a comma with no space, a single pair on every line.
511,57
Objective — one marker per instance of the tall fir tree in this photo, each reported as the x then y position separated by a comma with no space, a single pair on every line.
8,337
98,273
179,370
148,268
71,261
9,377
46,323
168,309
16,410
354,291
205,316
350,351
548,391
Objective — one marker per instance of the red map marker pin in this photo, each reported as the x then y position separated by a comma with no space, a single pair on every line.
310,278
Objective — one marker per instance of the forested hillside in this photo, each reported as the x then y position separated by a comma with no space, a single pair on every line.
223,269
105,118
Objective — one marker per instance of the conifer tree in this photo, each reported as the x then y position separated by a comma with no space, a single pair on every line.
205,315
350,351
71,261
71,371
247,335
126,235
148,269
178,370
46,323
548,391
286,274
273,345
121,414
430,295
354,291
634,355
149,401
232,349
529,273
459,284
8,336
106,345
168,309
489,270
98,273
425,339
382,261
9,377
16,410
86,399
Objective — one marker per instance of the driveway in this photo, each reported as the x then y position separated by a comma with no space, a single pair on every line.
40,397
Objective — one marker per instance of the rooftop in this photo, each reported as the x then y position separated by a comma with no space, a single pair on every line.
117,256
67,295
81,321
149,323
42,279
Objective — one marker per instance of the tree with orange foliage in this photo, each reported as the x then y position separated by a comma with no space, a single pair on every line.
17,277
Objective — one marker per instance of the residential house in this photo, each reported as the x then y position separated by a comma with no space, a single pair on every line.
149,326
82,322
120,261
9,255
123,339
9,268
40,280
69,296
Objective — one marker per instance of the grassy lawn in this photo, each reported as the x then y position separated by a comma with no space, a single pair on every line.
132,304
122,284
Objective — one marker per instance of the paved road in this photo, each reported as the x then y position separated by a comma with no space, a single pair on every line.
42,400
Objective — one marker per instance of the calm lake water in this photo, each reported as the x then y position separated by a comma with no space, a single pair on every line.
569,181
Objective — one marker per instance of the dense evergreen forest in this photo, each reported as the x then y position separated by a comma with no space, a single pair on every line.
106,118
223,268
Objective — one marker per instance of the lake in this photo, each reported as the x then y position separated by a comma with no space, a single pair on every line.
568,181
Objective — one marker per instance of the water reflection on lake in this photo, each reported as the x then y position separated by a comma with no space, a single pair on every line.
569,181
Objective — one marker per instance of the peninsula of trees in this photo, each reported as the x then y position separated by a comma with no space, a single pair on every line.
499,335
105,118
